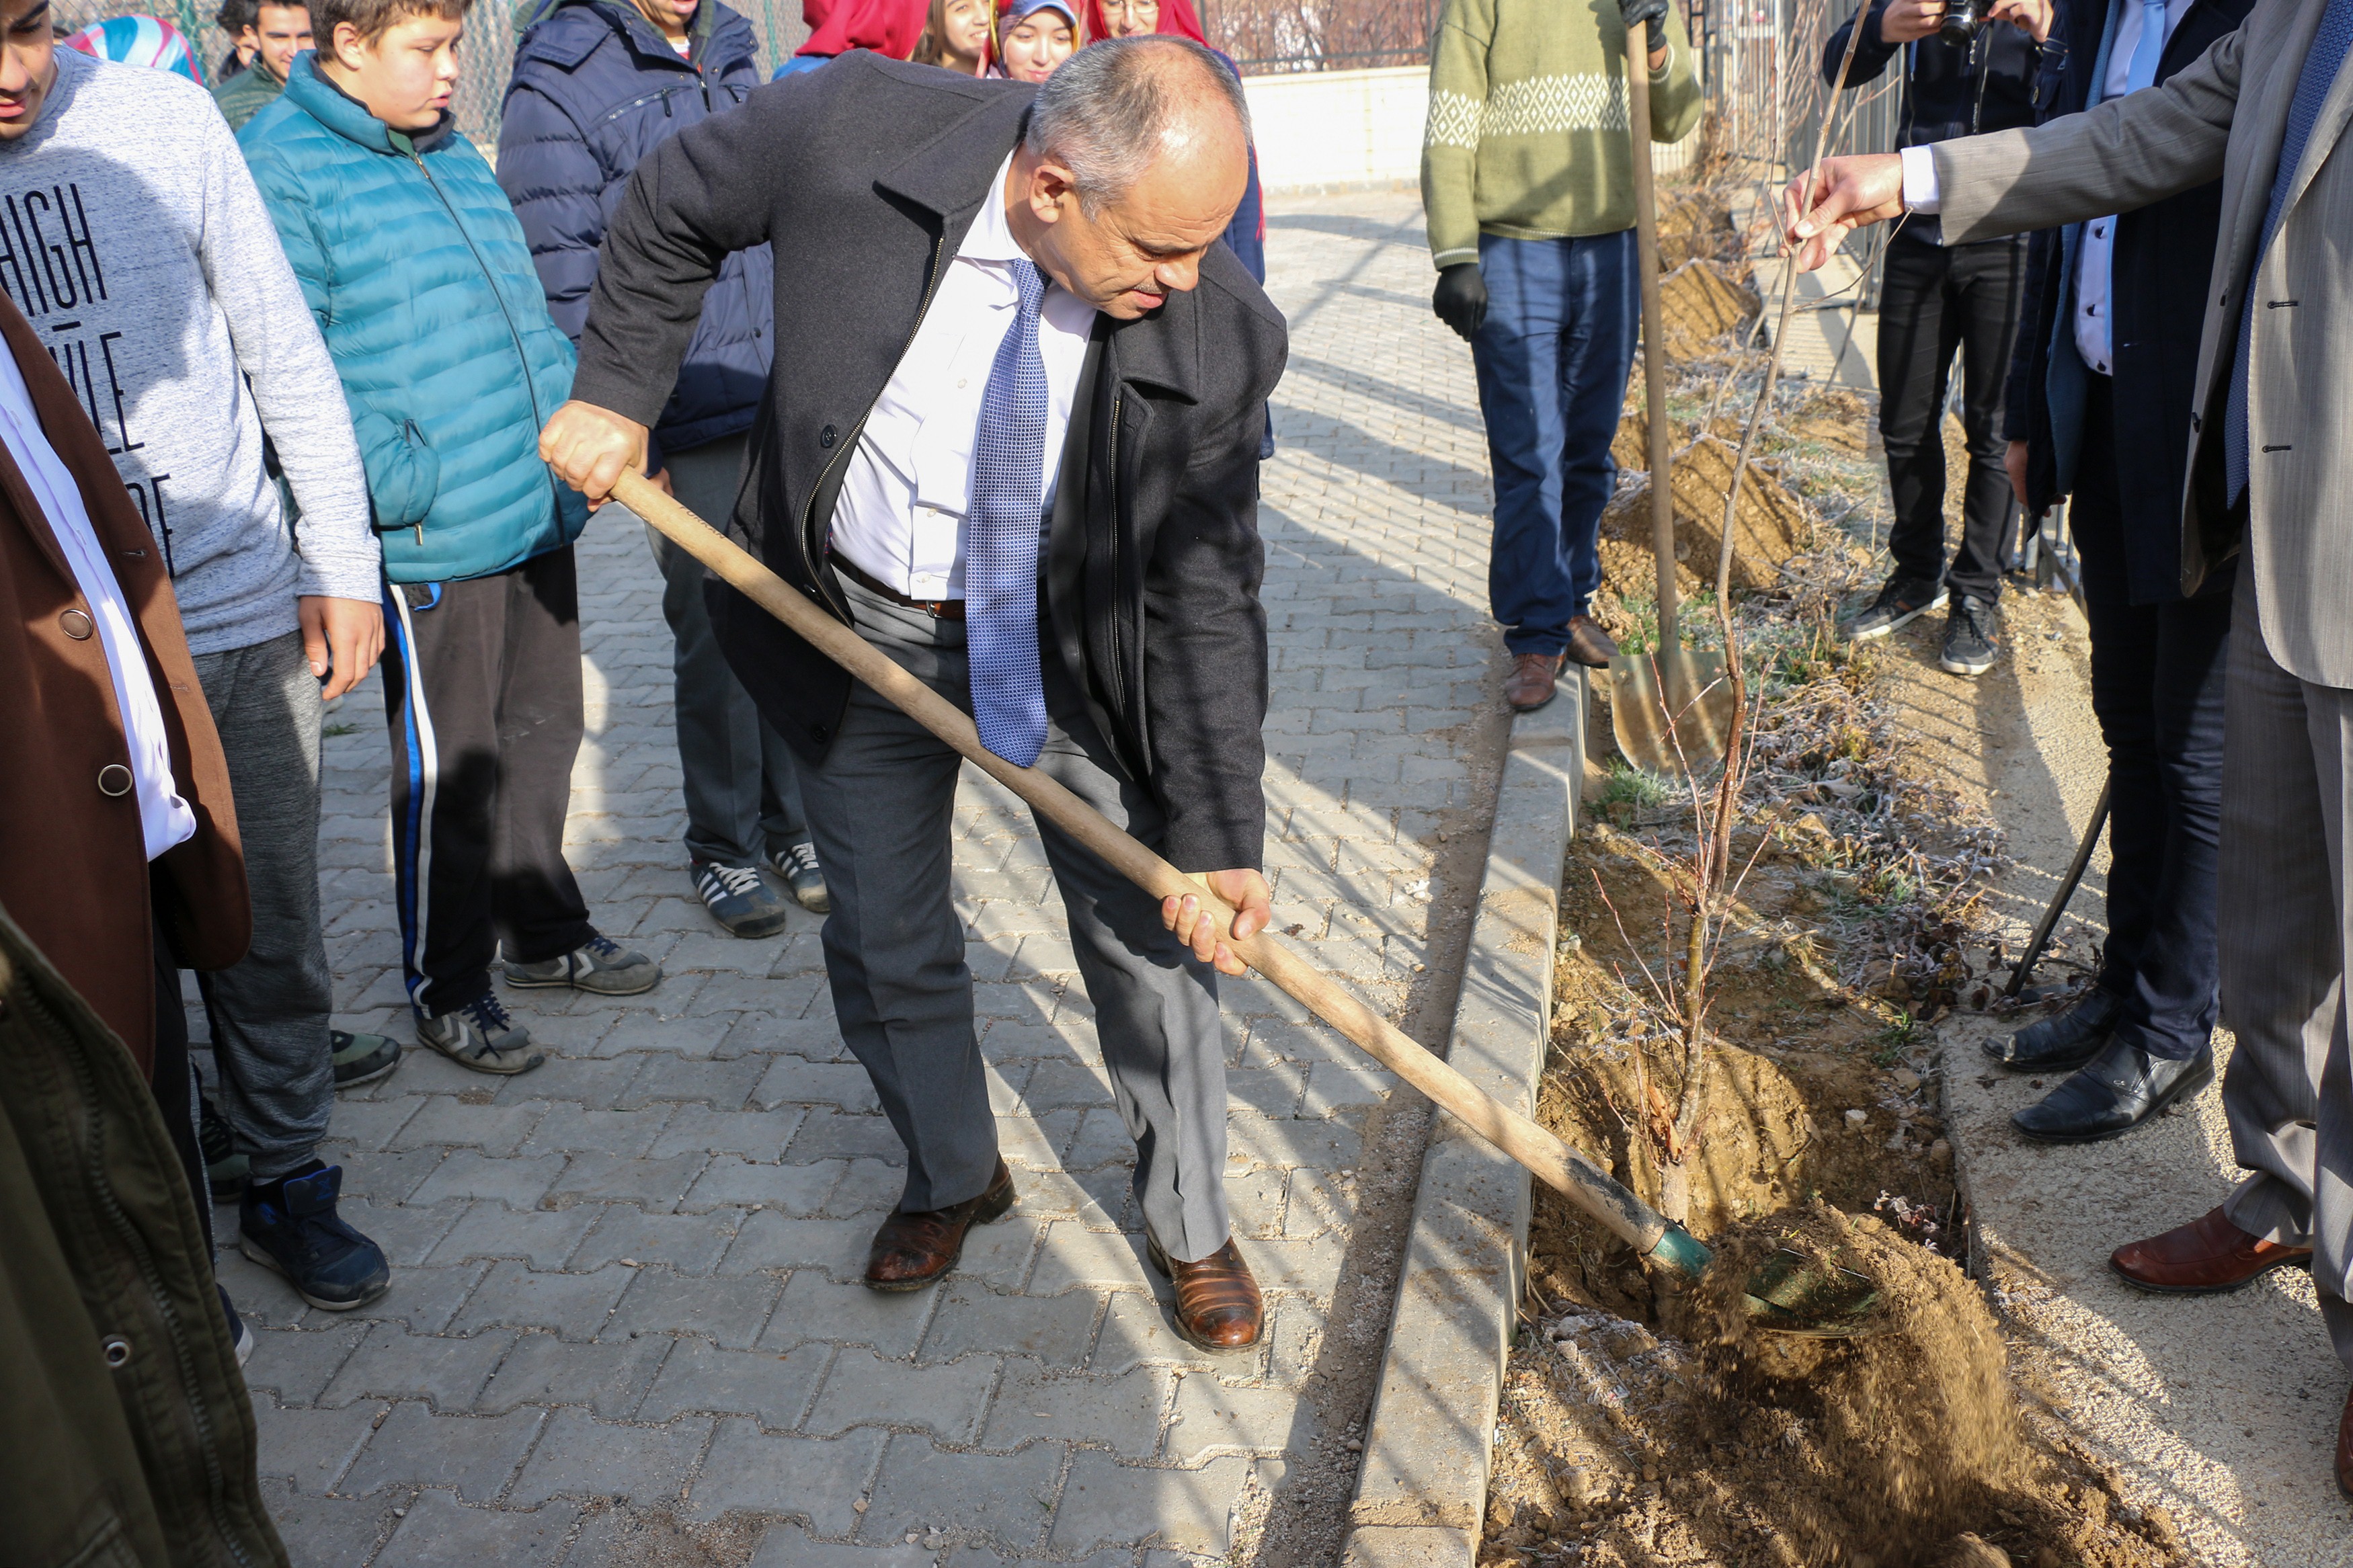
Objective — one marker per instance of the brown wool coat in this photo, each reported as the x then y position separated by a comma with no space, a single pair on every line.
73,865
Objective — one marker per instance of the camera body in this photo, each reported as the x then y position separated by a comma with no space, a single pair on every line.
1964,20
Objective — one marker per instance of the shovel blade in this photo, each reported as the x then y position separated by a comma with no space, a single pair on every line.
1794,1294
1671,709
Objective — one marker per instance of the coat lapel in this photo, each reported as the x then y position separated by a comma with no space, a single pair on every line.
2267,84
2326,131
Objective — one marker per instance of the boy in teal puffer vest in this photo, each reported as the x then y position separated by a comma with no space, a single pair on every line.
424,288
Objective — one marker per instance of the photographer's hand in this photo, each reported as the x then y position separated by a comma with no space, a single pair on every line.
1909,21
2034,18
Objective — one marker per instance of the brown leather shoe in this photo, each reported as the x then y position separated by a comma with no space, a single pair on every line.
1217,1303
1531,683
911,1250
2205,1258
2345,1448
1588,644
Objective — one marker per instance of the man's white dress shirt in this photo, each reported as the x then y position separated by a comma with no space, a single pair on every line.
904,497
165,818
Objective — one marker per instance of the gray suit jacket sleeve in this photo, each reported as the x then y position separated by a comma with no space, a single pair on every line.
2123,154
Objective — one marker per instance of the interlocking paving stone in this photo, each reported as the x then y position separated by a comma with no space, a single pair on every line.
864,1390
717,1134
442,1532
608,1378
774,1390
472,1455
761,1472
450,1370
1008,1497
581,1457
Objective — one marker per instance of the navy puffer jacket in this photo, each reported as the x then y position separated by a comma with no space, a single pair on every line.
595,89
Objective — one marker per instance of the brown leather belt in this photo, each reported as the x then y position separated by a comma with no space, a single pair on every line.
938,609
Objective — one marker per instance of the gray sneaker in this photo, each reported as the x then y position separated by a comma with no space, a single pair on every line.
740,899
1969,646
798,866
601,965
1902,602
480,1036
361,1058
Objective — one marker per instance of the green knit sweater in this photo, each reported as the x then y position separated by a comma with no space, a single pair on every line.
1527,121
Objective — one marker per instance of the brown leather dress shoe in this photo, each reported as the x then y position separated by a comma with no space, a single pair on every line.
2205,1258
2345,1448
1531,683
1217,1303
911,1250
1588,644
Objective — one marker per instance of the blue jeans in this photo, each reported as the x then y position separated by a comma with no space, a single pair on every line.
1552,357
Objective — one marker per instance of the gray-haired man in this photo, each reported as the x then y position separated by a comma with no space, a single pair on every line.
1030,328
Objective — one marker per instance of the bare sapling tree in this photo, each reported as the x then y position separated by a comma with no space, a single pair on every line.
1707,887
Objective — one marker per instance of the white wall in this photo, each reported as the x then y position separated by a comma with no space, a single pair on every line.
1327,130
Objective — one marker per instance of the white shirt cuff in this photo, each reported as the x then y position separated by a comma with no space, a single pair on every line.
1920,192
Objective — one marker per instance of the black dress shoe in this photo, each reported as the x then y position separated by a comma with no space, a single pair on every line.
2062,1042
2117,1090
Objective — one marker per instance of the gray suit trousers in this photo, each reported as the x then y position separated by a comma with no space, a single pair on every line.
2287,766
880,810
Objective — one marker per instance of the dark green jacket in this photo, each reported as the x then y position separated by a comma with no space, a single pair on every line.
128,1440
246,93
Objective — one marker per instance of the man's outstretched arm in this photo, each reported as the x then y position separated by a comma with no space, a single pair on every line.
2124,155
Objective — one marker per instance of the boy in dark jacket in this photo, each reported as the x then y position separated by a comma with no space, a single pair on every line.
1938,299
597,85
421,283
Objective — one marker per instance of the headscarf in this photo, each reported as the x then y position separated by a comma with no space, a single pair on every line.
1011,13
886,26
138,41
1177,17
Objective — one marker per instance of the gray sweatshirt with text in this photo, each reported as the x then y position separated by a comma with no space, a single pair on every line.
134,240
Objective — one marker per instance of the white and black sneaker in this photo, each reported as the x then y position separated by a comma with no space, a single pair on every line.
480,1036
1902,602
798,866
740,899
1969,646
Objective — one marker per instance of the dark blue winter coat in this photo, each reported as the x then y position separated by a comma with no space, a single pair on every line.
595,89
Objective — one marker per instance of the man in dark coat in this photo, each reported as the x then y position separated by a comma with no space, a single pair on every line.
2099,407
1008,317
597,85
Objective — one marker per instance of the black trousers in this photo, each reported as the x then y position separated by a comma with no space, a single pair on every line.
2157,686
483,694
1937,301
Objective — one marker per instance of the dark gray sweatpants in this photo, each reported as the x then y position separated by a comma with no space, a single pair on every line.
270,1012
881,809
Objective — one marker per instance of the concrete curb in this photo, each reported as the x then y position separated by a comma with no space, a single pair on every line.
1421,1495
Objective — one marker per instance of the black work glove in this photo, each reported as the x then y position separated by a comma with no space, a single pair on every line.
1460,299
1650,12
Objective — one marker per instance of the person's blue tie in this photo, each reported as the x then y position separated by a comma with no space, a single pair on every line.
1000,566
2150,48
2320,68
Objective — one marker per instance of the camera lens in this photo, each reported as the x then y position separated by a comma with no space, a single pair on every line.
1964,19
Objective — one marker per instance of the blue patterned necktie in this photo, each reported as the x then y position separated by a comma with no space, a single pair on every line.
1000,566
2320,68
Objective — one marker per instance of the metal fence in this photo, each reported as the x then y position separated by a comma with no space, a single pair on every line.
1268,38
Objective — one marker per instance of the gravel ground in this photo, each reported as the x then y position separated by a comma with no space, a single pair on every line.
2220,1409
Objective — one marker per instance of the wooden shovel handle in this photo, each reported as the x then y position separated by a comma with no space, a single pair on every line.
1654,348
1553,1162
